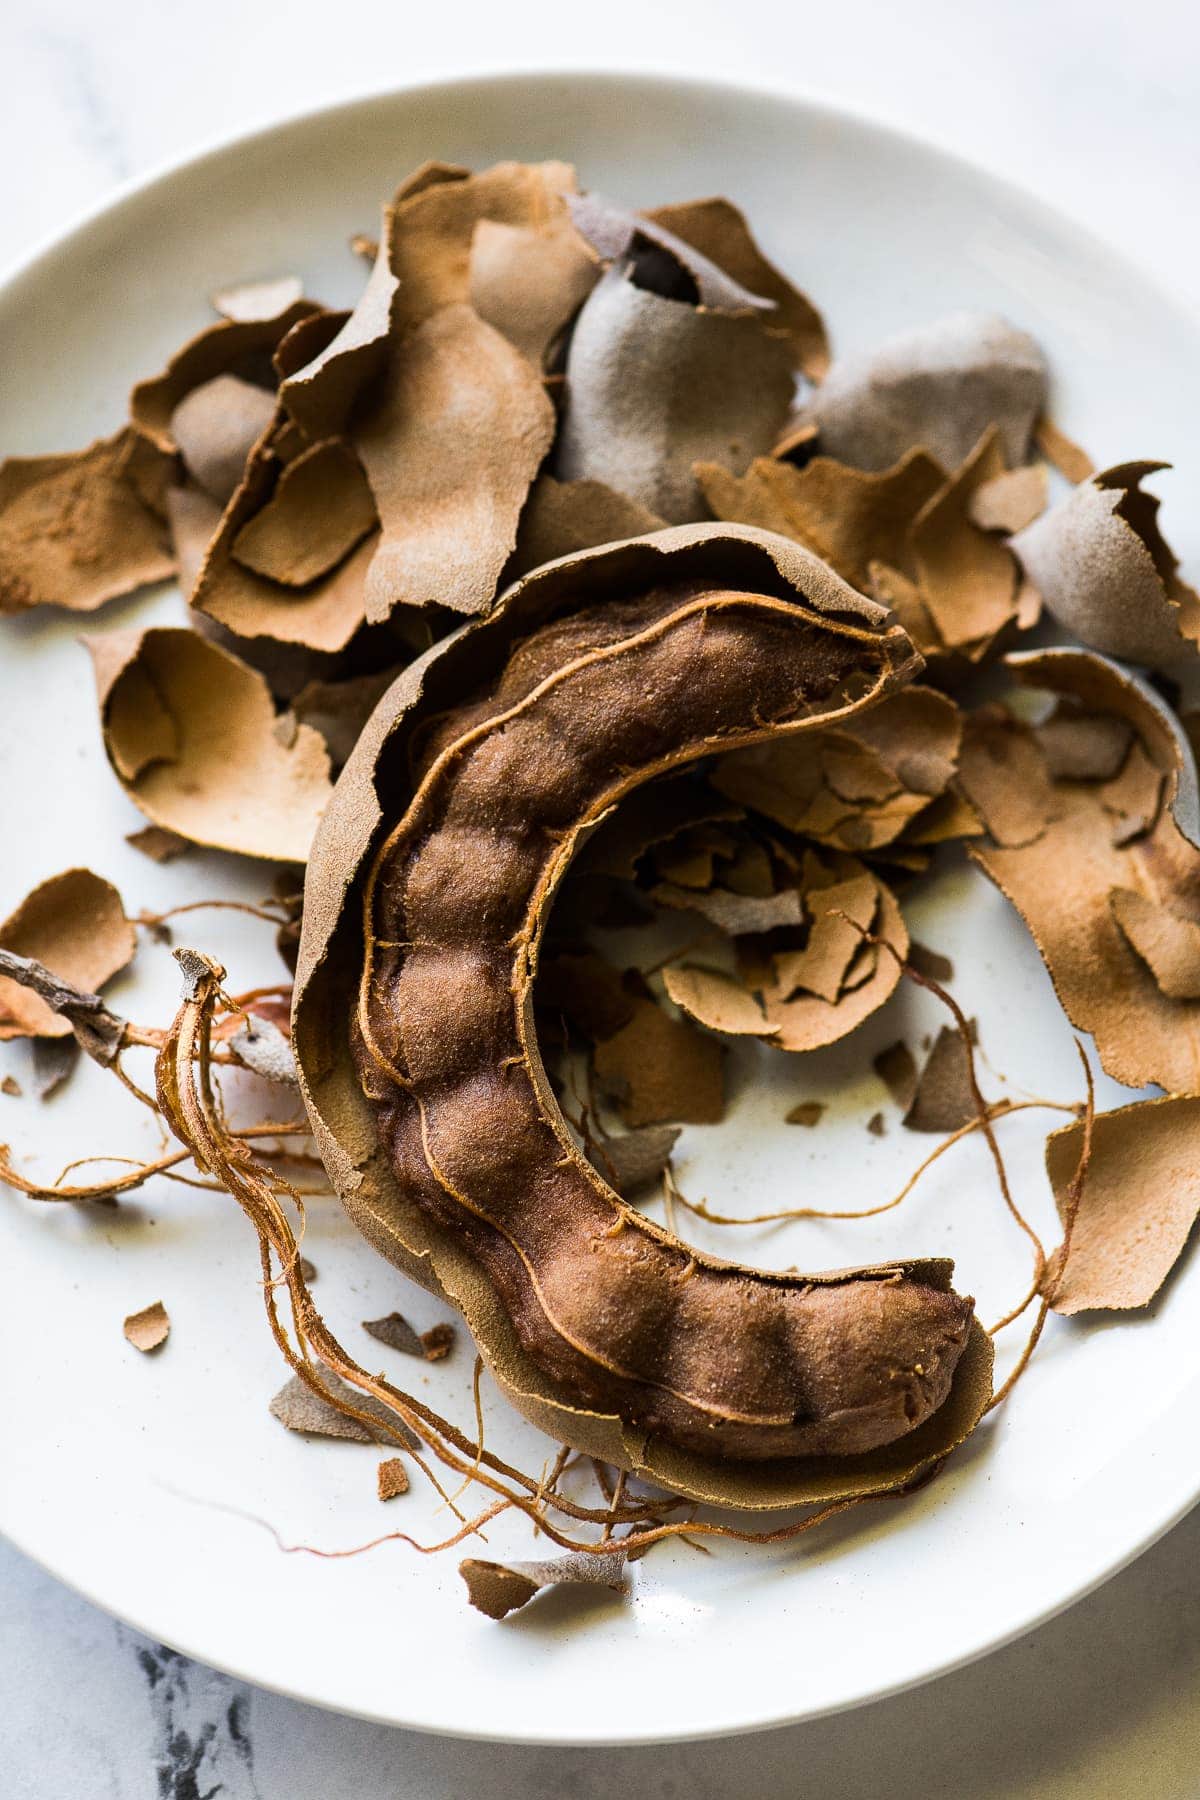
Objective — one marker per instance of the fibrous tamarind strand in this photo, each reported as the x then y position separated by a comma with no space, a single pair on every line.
706,1356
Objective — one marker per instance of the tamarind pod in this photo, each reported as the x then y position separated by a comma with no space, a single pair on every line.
703,1354
663,1389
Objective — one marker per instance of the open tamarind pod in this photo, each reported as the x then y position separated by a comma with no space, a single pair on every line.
433,875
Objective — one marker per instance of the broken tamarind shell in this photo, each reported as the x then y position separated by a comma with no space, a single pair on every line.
482,769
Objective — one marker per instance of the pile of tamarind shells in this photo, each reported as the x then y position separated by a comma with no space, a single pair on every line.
568,576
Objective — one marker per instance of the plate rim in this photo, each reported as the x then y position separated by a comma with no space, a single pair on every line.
648,81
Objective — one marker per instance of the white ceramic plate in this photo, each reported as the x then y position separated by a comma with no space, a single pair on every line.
130,1477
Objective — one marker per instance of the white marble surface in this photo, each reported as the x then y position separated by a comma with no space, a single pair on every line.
1098,108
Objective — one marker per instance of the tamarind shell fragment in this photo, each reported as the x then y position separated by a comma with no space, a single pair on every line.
482,768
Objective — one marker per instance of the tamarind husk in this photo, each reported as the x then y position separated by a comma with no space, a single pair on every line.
1137,1208
216,426
320,509
943,1099
497,1588
191,733
457,428
75,532
658,259
318,391
660,1069
340,709
391,1479
849,517
1061,452
528,281
560,517
856,787
939,386
302,1410
73,924
433,223
330,965
718,230
1082,844
148,1329
325,613
904,531
1009,501
322,616
231,347
967,578
1105,571
250,301
634,1160
655,386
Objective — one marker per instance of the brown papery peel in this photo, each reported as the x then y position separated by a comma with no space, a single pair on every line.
74,532
455,434
939,386
148,1329
1140,1197
1077,845
75,925
1105,571
656,385
192,735
718,230
396,1215
500,1588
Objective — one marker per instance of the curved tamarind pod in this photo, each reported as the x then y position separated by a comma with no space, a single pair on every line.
727,1382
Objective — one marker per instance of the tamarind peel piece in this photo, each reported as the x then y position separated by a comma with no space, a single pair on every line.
496,1588
303,1410
849,517
705,582
1137,1207
528,281
319,391
1081,845
718,230
239,347
658,259
432,229
904,531
814,991
660,1069
148,1329
942,1098
636,1159
340,709
251,301
75,926
323,615
858,786
1011,500
74,530
561,517
1106,572
192,735
216,426
391,1479
655,385
939,386
320,509
1061,452
457,428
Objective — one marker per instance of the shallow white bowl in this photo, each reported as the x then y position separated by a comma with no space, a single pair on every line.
140,1480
